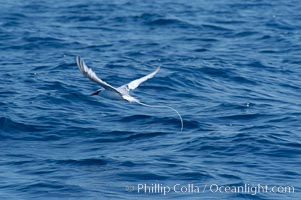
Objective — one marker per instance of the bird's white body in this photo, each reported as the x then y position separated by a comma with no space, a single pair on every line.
122,92
116,96
111,95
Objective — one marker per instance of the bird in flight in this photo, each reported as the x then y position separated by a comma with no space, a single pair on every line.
122,92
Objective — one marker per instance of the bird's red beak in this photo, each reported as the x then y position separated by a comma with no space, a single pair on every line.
95,93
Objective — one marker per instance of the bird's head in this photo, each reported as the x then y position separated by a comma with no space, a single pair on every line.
96,92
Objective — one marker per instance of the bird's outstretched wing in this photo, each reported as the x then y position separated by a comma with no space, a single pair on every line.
88,72
135,83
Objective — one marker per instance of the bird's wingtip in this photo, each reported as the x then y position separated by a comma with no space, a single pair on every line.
77,58
158,68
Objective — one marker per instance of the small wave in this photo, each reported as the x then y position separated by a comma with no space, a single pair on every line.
29,43
200,49
84,162
145,135
245,116
143,175
151,120
152,19
163,22
9,125
216,72
136,117
245,33
216,28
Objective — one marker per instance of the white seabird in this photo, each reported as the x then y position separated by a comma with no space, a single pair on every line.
122,92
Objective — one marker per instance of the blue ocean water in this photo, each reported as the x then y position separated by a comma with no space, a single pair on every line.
231,68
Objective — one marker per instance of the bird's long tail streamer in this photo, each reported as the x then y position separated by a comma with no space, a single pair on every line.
161,106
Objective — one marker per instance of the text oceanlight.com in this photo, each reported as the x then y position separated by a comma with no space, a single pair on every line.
163,189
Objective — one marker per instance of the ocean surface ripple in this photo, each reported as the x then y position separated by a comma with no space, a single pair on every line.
231,68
